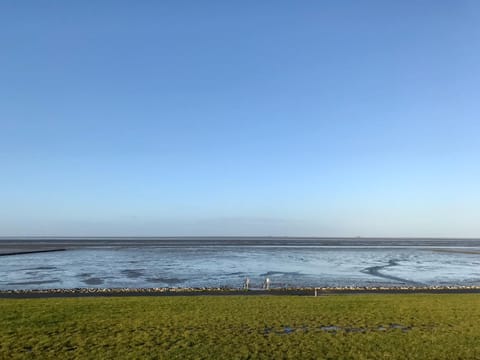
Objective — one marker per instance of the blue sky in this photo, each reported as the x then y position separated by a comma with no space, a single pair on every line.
319,118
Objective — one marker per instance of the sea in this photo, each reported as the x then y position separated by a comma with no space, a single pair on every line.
212,262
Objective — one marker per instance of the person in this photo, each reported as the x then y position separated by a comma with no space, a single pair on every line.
246,283
266,284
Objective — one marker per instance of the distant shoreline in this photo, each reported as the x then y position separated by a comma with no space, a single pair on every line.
221,237
22,244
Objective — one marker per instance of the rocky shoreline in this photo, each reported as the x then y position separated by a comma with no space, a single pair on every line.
165,291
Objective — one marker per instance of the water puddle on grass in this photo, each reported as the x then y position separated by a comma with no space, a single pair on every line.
330,328
333,329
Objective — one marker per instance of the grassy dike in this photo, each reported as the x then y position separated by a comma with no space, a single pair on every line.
414,326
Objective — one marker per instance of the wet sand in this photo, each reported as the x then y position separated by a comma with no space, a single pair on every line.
131,264
375,271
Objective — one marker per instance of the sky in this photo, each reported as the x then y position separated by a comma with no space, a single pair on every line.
275,118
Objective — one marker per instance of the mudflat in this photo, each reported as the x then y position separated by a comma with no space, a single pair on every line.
218,262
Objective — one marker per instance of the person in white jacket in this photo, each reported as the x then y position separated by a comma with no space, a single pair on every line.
266,284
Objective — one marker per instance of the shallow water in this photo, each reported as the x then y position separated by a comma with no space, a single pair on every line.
287,265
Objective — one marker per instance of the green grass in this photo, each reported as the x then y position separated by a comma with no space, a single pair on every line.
434,327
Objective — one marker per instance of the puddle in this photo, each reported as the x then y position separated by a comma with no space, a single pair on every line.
39,282
330,328
400,327
42,268
84,275
333,329
132,273
284,273
355,330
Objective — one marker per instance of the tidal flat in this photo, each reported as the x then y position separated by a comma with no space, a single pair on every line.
227,262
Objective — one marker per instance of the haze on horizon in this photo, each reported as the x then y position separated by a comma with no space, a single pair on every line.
253,118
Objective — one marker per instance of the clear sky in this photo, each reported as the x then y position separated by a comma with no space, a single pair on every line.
311,118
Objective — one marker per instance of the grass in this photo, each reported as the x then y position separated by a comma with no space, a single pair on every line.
411,326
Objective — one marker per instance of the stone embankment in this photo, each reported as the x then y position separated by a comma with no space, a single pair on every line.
167,291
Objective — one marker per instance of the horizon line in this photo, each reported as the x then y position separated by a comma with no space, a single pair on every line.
5,237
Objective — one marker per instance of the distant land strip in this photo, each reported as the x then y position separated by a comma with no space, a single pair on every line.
38,243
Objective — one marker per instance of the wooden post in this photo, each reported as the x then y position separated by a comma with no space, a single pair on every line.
316,292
